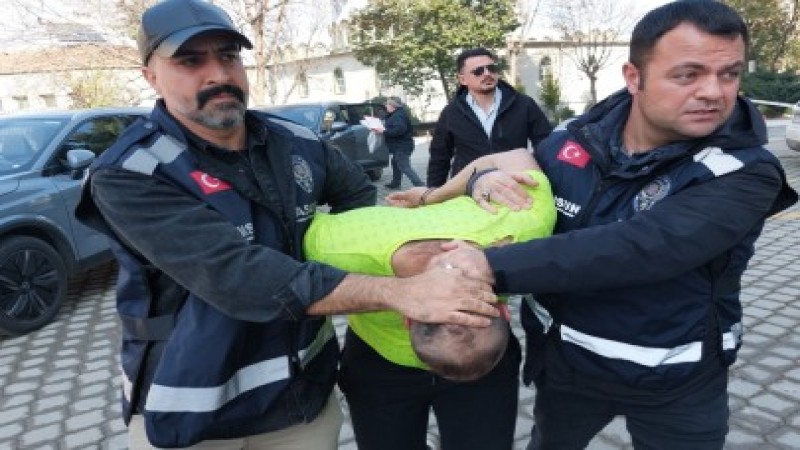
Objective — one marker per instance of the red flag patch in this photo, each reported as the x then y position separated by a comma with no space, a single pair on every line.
572,153
209,184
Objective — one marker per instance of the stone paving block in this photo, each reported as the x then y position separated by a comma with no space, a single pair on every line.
33,362
755,420
81,421
772,403
781,321
16,400
769,329
786,388
11,430
95,366
757,311
51,402
743,388
115,443
66,363
775,362
97,376
739,437
790,438
89,404
17,388
92,390
87,437
61,375
8,415
48,418
41,435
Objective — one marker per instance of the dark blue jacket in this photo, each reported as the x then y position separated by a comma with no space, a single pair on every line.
197,365
640,285
398,132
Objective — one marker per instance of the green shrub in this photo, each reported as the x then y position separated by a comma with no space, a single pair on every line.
772,86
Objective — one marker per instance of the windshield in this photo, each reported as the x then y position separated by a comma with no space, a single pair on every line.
308,116
23,139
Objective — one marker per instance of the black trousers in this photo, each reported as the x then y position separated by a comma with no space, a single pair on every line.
389,404
697,420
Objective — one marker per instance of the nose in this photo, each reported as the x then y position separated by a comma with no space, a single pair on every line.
710,88
217,71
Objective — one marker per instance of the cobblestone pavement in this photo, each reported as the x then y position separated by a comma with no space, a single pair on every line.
59,389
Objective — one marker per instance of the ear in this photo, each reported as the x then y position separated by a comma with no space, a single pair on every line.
632,76
460,78
150,75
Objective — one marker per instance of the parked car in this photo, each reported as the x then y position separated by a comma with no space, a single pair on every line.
793,129
339,125
43,157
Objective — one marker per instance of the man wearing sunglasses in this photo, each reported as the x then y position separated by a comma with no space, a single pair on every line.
486,116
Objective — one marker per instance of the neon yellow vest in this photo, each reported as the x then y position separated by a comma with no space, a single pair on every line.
364,240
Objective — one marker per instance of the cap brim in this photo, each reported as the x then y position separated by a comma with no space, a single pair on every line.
173,42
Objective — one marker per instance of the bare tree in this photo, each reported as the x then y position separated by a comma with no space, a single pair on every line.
590,29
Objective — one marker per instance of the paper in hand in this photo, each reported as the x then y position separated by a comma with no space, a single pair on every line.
372,122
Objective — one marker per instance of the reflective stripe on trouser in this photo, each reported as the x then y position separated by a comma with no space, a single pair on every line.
205,399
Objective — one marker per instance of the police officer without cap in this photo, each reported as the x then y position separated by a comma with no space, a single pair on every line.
224,336
662,190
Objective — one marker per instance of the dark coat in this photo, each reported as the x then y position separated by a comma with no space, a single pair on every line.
459,137
398,132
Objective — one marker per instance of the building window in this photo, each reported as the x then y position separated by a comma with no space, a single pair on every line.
302,85
545,68
48,100
22,102
338,81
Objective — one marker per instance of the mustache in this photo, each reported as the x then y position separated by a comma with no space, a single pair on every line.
204,96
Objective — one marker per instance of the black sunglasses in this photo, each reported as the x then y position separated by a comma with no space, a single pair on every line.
478,71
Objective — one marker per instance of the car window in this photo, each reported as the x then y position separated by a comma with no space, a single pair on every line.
357,112
308,116
22,140
335,114
95,134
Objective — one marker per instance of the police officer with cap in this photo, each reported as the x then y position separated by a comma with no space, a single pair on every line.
225,336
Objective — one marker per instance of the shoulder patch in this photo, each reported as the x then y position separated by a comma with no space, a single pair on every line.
573,154
717,161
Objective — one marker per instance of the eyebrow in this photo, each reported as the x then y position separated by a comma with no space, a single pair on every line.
226,48
691,65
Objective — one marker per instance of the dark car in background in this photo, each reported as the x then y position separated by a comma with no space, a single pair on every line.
339,124
43,157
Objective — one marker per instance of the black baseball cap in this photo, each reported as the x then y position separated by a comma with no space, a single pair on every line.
169,24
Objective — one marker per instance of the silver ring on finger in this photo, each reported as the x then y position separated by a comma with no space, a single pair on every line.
486,194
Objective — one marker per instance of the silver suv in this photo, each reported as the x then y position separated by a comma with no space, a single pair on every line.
43,157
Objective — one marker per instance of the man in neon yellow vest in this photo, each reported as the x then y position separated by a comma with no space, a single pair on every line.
389,389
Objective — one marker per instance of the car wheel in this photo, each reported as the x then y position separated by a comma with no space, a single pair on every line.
33,284
375,174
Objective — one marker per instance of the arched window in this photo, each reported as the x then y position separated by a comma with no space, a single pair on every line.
302,85
545,68
338,81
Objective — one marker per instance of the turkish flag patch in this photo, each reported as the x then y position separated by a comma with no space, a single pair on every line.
572,153
209,184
